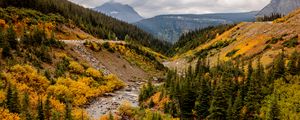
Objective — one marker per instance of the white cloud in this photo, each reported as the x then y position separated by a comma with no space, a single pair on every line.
149,8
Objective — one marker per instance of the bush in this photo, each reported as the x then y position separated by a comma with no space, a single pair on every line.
106,45
61,67
75,67
267,47
291,43
232,53
91,72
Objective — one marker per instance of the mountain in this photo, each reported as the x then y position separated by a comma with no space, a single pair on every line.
246,41
170,27
282,7
119,11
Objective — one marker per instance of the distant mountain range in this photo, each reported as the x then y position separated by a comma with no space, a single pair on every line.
282,7
119,11
171,27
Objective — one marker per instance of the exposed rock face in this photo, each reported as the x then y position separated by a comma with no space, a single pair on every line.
282,7
119,11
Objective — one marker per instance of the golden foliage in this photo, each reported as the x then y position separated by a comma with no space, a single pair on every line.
80,114
2,96
76,67
29,76
126,109
93,73
6,115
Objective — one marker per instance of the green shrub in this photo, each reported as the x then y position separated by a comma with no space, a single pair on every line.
267,47
291,43
232,53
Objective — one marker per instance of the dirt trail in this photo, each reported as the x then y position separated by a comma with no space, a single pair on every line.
111,63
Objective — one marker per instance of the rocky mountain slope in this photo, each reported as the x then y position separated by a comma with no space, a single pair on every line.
170,27
247,41
119,11
282,7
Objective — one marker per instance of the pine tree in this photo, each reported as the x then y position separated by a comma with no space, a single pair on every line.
151,104
252,99
279,67
48,108
1,38
12,102
203,101
219,105
68,110
273,112
12,38
9,99
6,52
237,107
25,107
292,65
41,115
17,105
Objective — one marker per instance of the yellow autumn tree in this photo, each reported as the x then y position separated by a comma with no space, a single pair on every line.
6,115
94,73
75,67
29,76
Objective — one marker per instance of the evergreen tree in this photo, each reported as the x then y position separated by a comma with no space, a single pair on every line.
273,112
237,107
25,107
13,100
292,65
219,105
41,115
151,104
252,99
279,67
6,52
48,108
203,101
12,38
68,110
1,38
9,99
17,105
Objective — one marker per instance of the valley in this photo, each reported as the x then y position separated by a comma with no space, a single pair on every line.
65,61
109,63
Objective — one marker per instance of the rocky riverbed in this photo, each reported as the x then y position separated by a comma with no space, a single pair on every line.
110,102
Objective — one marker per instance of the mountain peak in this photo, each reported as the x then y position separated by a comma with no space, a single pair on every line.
282,7
123,12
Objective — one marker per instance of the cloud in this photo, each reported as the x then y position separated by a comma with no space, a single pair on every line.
149,8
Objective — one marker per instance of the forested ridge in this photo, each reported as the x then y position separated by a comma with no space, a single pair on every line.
92,22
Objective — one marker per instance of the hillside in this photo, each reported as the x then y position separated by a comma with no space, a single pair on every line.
92,22
63,79
119,11
171,27
29,20
248,41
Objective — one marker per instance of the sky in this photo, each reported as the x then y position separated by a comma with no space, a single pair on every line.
150,8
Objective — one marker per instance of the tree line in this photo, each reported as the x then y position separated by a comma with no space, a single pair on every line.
230,90
91,22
